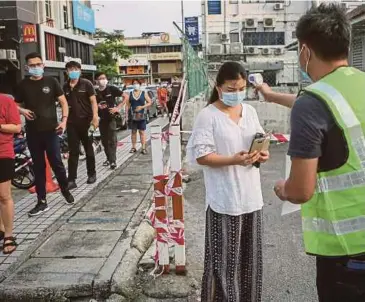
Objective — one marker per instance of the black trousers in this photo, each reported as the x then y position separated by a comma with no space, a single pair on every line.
40,143
341,279
108,131
77,133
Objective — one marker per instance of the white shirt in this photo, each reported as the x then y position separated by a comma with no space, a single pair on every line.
231,190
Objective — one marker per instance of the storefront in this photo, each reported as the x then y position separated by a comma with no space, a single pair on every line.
132,69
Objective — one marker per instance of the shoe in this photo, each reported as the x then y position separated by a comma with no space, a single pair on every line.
91,179
113,165
72,185
68,197
106,163
40,208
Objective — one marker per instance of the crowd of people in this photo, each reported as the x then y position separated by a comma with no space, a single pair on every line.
327,150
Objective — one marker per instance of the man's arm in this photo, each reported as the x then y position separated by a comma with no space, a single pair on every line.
284,99
148,101
94,104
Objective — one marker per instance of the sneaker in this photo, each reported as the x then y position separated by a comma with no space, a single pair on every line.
91,179
40,208
72,185
113,165
68,197
106,163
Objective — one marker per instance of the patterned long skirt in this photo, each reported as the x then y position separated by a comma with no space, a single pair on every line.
233,258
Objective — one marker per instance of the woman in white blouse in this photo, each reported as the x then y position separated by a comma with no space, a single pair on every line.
220,141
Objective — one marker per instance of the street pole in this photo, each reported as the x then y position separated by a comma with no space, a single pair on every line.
182,16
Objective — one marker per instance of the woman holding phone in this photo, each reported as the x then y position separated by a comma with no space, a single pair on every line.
221,139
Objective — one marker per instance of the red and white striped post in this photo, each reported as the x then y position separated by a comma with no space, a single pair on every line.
175,190
160,204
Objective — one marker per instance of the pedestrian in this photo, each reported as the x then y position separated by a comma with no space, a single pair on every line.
106,96
162,98
38,95
10,124
83,120
220,142
327,152
173,96
137,103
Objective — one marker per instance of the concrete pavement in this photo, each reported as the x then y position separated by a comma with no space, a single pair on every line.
289,274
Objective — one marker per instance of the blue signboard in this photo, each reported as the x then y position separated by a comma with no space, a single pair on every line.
83,17
214,7
192,30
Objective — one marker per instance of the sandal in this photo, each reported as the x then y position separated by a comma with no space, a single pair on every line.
11,242
133,150
144,151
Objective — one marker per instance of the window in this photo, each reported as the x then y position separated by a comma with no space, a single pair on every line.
234,37
293,35
214,38
139,49
48,4
65,17
263,38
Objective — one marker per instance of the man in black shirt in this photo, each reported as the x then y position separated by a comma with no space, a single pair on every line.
80,95
38,96
106,97
318,144
174,94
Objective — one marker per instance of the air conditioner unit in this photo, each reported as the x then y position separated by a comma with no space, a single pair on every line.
266,51
250,23
2,54
216,49
11,54
278,6
278,51
269,22
253,51
224,37
236,48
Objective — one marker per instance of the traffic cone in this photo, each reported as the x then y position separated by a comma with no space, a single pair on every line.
51,186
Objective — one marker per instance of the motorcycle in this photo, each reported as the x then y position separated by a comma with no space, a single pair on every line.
24,177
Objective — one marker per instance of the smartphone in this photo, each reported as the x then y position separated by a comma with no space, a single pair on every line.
260,143
34,116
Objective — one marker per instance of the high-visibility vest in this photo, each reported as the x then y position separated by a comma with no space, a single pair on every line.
334,219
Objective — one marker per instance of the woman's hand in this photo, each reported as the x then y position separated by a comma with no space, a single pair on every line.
264,156
244,158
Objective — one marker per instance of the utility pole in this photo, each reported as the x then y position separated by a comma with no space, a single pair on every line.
182,16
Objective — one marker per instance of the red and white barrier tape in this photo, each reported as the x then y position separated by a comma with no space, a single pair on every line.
280,138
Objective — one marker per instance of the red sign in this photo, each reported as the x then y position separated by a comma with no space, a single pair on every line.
29,33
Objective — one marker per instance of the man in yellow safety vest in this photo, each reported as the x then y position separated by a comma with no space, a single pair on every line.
327,149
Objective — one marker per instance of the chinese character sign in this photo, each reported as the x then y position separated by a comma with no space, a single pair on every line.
192,30
29,33
83,17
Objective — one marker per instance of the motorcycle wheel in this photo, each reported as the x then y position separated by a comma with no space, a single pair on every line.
25,173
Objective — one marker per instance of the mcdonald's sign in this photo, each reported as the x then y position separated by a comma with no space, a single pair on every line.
29,33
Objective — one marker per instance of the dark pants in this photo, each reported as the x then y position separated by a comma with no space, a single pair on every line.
337,281
40,143
108,131
77,133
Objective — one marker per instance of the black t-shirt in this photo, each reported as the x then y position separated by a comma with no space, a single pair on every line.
78,99
107,95
315,134
175,89
40,96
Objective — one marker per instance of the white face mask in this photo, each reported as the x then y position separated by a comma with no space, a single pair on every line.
103,82
136,86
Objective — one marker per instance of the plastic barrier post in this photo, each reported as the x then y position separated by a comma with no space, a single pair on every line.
161,218
177,225
51,186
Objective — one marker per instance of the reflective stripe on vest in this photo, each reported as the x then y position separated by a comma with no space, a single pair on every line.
341,227
353,179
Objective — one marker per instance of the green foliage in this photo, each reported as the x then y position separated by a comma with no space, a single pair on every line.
107,51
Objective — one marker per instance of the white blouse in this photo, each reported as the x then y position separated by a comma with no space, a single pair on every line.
232,190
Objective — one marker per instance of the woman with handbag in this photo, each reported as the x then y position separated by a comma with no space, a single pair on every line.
137,101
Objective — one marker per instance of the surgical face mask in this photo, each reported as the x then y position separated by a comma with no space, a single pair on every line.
304,73
136,86
103,82
74,74
233,99
36,71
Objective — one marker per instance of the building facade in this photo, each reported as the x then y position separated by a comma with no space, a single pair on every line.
357,49
257,33
65,29
156,58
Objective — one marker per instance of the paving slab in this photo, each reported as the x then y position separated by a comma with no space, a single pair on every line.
79,244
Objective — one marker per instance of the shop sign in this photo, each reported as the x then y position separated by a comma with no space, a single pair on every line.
165,56
68,59
135,70
29,33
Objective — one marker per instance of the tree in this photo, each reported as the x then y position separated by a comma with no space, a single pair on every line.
109,48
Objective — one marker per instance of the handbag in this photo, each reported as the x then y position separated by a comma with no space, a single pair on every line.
138,116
